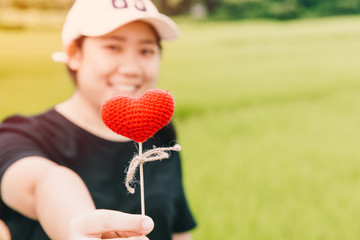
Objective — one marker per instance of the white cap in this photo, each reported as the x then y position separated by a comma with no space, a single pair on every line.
95,18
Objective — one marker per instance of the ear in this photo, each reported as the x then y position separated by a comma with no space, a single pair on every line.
74,55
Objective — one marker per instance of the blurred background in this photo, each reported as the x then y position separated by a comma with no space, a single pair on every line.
267,107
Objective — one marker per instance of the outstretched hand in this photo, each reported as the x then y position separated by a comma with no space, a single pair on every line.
108,224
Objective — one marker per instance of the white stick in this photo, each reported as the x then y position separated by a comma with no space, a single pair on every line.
142,182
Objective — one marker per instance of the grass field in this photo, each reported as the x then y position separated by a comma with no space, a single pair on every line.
267,114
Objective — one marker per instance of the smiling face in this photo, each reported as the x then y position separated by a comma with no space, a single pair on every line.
124,62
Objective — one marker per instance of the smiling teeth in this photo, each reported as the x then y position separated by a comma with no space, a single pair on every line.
125,88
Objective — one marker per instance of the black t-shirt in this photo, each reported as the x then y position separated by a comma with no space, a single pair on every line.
102,165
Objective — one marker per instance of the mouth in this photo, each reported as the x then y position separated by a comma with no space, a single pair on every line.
125,88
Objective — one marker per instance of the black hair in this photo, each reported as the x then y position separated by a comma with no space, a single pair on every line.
78,43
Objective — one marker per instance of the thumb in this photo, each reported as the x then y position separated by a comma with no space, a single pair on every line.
101,221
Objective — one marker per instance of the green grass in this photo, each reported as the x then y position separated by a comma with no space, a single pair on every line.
267,115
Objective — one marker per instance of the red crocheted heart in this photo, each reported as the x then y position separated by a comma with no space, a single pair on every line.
139,118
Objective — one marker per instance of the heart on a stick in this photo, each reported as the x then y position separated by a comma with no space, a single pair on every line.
139,118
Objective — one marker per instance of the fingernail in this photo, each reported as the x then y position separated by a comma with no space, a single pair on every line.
147,224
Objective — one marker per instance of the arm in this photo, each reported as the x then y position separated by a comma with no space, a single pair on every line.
45,191
182,236
58,198
4,231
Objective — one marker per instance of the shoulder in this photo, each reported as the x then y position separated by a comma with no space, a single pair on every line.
17,124
14,121
34,127
24,122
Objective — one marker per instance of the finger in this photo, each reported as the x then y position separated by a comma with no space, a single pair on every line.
101,221
117,235
130,238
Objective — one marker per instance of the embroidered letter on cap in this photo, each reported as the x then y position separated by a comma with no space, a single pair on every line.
121,4
140,5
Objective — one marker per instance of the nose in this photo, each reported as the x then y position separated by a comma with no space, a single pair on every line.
129,66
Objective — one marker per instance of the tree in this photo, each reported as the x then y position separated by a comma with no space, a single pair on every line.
212,5
171,7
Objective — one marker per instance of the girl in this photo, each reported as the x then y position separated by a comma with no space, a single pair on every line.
62,171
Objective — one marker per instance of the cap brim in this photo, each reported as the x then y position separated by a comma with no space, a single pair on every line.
166,28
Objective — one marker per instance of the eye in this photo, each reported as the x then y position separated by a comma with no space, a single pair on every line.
148,51
113,48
